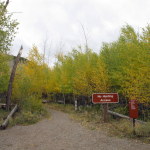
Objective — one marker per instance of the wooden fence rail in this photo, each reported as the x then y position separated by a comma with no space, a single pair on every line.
123,116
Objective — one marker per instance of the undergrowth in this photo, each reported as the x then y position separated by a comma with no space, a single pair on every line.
61,107
31,110
3,115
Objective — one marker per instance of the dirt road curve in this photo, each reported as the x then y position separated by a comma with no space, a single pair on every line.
60,133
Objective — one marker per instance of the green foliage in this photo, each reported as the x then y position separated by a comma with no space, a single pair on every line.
81,73
127,61
121,66
122,110
7,29
3,115
32,104
30,82
4,72
31,111
32,77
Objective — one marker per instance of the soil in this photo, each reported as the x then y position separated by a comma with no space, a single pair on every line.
62,133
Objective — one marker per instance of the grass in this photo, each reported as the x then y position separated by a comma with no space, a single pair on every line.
24,117
3,115
27,117
92,119
61,107
31,110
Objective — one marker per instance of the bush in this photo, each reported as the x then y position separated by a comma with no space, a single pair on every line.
3,115
32,104
144,130
31,111
122,110
65,108
25,118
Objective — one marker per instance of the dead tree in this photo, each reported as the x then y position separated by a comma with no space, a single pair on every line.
85,37
9,92
6,4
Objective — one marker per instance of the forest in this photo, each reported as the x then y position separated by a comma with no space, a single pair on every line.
122,67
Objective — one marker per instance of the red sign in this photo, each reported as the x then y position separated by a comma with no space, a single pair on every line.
133,109
105,98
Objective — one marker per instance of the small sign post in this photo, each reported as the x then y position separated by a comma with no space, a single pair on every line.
105,98
133,112
76,105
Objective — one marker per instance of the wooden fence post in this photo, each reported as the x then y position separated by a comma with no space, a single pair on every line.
76,105
105,112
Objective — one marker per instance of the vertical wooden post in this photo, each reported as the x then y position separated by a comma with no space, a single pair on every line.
76,105
134,133
105,112
64,98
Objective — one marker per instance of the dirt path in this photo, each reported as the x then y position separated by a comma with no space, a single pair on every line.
60,133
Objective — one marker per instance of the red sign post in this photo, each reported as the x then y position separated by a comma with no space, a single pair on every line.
105,98
133,109
133,112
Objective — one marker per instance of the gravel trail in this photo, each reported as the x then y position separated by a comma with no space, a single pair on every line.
61,133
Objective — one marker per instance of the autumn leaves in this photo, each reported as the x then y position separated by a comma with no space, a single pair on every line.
122,66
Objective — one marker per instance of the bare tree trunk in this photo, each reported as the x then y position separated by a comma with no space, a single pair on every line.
9,92
6,4
85,37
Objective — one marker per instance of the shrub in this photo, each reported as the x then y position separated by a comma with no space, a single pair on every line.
31,111
32,104
122,110
144,130
25,118
3,114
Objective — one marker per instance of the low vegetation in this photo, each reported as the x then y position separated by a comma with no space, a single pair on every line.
31,110
3,115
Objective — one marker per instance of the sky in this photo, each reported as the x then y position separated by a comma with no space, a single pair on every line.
58,23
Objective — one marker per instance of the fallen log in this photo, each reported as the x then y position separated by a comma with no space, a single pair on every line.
5,123
123,116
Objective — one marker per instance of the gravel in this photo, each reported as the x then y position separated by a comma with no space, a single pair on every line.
62,133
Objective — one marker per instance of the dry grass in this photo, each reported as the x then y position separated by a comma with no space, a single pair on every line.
3,115
61,107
